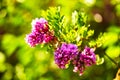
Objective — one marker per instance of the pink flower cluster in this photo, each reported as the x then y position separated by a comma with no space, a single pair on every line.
85,58
64,54
69,52
40,33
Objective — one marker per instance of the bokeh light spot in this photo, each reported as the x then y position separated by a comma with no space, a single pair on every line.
98,18
89,2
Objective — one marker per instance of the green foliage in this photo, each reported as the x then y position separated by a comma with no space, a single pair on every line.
55,20
74,32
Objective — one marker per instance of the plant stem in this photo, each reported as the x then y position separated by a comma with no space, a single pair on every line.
112,60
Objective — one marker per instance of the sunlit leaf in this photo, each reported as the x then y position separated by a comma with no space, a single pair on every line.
113,51
99,60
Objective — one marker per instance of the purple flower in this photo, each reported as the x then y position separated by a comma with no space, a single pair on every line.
34,38
85,58
88,56
40,25
47,38
79,65
64,54
40,33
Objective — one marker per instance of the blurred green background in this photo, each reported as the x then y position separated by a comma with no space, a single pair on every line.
20,62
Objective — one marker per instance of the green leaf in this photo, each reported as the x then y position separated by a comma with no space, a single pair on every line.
74,17
92,43
82,19
90,33
99,60
110,39
101,39
113,51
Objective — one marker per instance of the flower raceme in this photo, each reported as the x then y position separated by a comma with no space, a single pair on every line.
64,54
85,58
69,52
40,33
88,56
